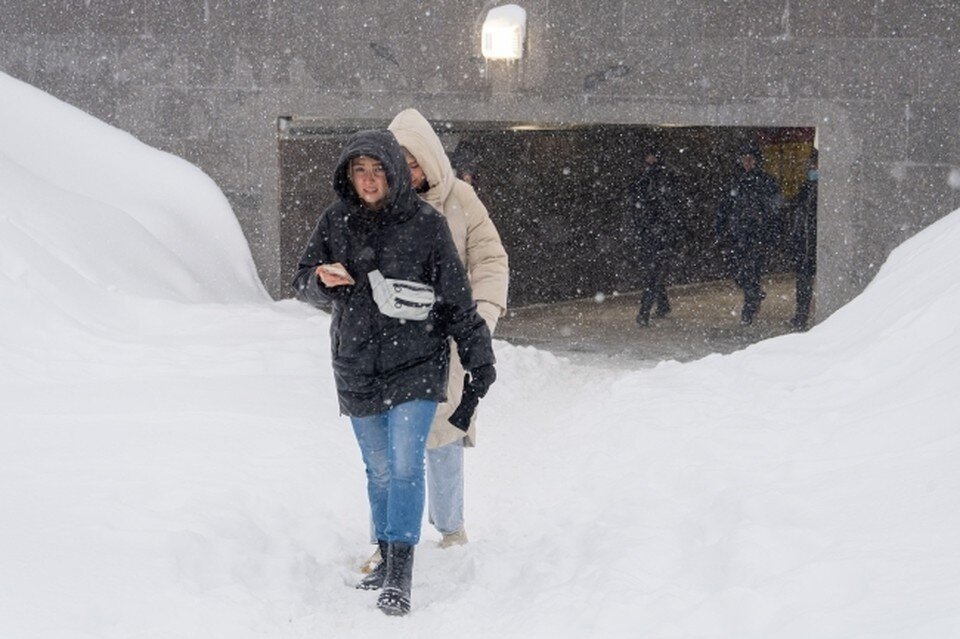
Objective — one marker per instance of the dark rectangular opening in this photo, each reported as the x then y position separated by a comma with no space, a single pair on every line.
558,194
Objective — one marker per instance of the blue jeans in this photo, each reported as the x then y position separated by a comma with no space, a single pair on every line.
392,444
445,483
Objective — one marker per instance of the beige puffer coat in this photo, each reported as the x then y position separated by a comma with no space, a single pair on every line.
478,245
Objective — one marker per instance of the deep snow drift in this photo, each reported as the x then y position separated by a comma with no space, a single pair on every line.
173,465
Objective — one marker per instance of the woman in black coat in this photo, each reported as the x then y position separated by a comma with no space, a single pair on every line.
387,263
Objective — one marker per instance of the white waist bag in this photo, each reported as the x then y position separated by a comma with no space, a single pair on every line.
401,299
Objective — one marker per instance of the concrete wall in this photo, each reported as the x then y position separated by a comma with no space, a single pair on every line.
879,79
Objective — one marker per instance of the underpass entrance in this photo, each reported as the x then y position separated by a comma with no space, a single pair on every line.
558,195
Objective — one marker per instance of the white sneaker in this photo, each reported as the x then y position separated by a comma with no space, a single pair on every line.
371,563
458,538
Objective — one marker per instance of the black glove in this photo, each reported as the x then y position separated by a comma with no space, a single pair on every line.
481,379
475,386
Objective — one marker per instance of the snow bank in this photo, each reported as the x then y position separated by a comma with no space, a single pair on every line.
84,200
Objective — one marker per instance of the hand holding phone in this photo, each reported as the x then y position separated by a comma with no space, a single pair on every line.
334,275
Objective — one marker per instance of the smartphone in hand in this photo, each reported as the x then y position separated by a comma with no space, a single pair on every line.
337,270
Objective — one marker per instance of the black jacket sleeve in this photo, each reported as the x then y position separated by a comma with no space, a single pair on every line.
721,224
773,202
308,286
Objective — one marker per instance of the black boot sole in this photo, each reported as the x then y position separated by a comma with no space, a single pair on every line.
393,603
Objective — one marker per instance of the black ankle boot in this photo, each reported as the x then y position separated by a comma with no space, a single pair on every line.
374,581
395,598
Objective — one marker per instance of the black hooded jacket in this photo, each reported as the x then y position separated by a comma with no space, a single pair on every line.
654,208
750,212
381,361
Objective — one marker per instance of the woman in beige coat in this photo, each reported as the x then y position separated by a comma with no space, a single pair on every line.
481,251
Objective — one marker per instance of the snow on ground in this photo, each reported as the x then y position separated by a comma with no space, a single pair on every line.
173,465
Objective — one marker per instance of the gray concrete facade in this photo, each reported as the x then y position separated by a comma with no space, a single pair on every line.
207,80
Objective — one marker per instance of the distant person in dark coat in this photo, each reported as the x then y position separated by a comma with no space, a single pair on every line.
386,261
748,219
654,210
804,242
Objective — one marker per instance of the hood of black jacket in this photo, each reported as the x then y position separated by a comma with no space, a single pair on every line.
383,146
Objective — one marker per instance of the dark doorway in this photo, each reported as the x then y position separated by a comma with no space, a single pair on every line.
557,194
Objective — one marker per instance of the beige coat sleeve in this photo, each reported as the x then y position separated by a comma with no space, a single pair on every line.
485,259
483,254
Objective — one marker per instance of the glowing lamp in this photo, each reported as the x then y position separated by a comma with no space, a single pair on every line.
503,33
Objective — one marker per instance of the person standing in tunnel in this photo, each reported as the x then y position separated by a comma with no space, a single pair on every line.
387,263
654,210
481,252
748,218
804,242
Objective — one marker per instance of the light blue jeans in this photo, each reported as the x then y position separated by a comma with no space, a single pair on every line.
445,486
392,444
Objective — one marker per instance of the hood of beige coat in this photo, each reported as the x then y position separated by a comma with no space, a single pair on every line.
415,134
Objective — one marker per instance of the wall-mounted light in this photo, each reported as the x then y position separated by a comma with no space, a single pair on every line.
503,33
